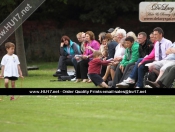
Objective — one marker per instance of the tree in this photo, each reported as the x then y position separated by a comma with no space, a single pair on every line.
10,5
101,11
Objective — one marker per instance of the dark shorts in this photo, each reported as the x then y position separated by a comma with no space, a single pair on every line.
113,67
11,78
96,79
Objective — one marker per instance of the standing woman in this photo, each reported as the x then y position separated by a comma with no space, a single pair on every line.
82,66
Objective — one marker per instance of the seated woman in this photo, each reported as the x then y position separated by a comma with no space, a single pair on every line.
82,66
103,47
68,50
120,33
111,44
119,54
114,34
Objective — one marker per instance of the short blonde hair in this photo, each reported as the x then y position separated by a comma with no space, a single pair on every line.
114,32
97,53
79,34
132,34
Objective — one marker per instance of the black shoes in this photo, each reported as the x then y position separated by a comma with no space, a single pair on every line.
152,84
57,73
60,73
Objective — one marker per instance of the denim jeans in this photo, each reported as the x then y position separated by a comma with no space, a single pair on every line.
134,73
139,72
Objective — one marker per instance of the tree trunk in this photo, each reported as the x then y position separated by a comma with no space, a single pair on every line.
20,51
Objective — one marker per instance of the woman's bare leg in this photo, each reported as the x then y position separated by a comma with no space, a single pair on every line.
107,73
104,85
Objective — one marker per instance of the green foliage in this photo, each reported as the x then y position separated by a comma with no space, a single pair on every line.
97,11
103,11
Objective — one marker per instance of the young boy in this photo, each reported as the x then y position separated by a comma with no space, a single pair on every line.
94,69
10,68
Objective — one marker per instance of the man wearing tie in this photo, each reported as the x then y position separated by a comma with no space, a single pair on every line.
163,58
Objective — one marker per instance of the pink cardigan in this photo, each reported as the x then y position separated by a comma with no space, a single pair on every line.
150,57
95,45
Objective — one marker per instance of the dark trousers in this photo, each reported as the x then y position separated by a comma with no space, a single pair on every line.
138,72
119,76
168,76
82,69
64,61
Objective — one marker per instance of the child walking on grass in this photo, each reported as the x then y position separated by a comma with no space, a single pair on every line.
10,68
94,69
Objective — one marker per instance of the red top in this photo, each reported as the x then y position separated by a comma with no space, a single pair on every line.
95,65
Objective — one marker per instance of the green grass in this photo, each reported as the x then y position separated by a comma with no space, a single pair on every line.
41,78
83,113
88,114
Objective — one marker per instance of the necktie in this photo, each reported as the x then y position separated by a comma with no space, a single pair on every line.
160,52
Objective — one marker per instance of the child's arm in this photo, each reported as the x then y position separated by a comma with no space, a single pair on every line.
105,62
20,72
2,71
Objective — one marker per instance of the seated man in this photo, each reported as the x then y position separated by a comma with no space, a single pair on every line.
68,50
166,80
161,66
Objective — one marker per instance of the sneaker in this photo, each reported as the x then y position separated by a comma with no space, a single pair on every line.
137,87
12,98
122,85
129,80
147,86
74,79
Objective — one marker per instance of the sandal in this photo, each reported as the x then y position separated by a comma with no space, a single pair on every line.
89,81
78,80
84,80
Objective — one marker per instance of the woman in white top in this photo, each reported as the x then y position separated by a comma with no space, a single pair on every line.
119,54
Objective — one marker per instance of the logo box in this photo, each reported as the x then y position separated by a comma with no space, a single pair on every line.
157,11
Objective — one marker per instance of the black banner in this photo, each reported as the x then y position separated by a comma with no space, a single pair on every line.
86,91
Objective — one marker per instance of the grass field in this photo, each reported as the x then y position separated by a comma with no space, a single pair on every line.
41,78
83,113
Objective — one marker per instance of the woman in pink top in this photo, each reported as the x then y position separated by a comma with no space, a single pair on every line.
82,66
